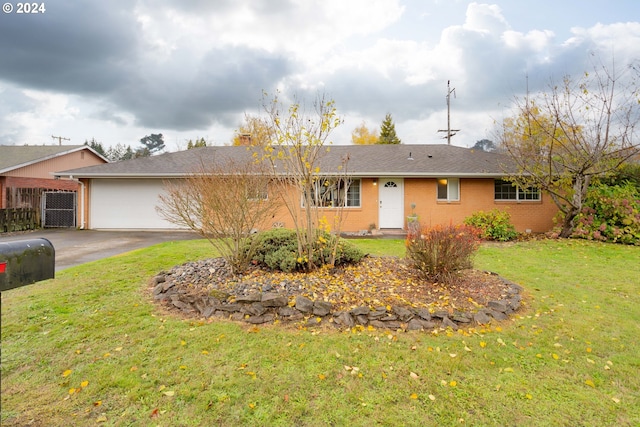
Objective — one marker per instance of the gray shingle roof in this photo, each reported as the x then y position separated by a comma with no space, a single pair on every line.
364,160
17,156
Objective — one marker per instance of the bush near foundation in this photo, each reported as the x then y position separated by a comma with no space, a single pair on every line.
493,225
440,252
611,213
277,249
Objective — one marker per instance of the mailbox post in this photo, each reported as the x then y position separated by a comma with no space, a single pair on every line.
24,262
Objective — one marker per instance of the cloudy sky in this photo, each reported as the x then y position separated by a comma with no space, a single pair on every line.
118,70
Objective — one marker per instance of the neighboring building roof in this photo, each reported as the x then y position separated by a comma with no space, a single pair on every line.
364,161
18,156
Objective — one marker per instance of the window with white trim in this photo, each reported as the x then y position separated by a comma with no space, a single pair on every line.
448,189
333,193
257,191
505,190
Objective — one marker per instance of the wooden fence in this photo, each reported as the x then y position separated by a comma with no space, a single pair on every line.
19,220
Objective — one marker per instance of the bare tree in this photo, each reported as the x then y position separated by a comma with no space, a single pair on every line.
226,203
562,138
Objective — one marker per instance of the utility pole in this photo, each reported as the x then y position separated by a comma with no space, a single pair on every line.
448,130
59,138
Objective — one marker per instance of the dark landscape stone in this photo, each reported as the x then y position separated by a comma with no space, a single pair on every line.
246,302
304,304
322,308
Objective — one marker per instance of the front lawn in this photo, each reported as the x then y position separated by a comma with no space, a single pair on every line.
91,347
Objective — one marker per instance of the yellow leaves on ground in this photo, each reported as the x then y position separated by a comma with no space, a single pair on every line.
75,390
67,373
590,383
354,370
415,396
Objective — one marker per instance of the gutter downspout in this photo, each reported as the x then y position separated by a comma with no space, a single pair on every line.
81,204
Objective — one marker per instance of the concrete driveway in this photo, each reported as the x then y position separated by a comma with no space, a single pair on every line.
74,247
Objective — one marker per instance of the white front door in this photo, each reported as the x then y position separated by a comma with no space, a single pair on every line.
391,200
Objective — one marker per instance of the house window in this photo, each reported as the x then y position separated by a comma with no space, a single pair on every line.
333,193
257,191
505,190
449,189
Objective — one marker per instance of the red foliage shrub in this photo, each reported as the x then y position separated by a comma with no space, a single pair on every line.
440,252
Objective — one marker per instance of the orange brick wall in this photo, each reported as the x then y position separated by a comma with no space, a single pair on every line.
475,195
353,219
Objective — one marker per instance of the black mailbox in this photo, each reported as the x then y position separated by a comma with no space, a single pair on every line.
24,262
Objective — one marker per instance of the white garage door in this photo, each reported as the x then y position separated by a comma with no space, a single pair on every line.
126,204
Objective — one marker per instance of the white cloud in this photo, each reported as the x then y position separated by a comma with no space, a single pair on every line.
191,69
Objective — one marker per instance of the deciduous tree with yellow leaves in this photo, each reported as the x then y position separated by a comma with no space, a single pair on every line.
362,135
301,139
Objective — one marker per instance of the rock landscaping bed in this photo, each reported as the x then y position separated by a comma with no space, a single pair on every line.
378,292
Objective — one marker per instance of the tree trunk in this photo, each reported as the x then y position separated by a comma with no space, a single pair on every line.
567,223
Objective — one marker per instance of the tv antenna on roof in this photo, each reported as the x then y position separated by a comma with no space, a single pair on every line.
450,132
60,139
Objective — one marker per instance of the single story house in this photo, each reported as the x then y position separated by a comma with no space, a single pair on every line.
441,184
26,173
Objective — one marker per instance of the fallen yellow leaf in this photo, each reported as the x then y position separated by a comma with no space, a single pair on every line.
432,397
169,393
413,396
590,383
83,384
67,373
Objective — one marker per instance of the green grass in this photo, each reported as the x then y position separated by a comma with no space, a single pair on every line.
570,358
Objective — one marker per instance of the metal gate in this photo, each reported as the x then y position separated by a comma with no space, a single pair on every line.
58,209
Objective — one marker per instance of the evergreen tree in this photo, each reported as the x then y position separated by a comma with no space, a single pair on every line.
152,144
388,132
198,143
485,145
97,146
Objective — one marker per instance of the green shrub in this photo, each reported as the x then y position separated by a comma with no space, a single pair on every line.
610,214
277,249
440,252
493,225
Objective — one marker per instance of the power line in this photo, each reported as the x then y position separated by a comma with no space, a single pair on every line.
450,132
